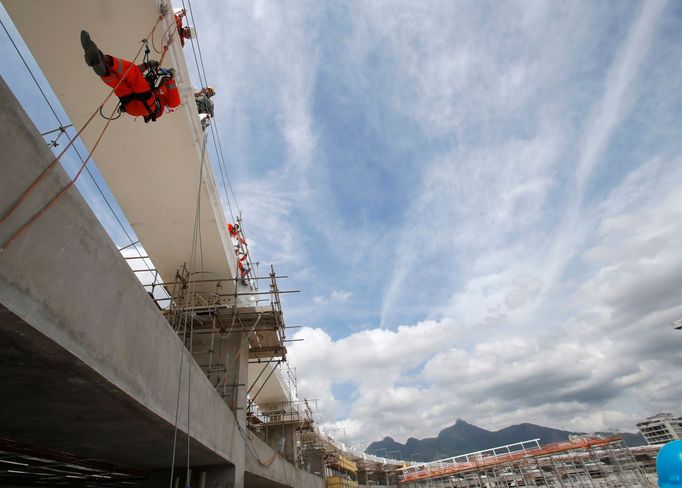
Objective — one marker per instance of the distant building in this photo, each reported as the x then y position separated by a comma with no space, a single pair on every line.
661,428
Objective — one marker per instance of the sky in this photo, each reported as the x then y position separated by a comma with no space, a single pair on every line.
479,201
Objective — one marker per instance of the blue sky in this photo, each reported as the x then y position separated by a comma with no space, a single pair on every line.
479,201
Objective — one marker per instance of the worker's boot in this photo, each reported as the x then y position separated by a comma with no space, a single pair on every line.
93,56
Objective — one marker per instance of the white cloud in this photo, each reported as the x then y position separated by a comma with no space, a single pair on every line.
534,287
570,372
341,296
619,93
335,297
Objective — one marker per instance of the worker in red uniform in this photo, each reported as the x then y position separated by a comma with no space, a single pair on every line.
235,232
137,97
183,32
243,266
240,250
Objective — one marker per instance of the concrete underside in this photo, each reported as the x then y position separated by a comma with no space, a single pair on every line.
152,169
55,401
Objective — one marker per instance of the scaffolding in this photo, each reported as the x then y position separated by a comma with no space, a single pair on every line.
342,466
377,471
205,312
340,471
579,462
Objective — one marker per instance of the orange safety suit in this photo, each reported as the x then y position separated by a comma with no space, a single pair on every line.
181,30
136,96
243,270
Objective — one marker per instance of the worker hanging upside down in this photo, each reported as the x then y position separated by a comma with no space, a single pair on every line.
139,95
187,32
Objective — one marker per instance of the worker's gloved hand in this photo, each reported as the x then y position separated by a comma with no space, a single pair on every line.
152,63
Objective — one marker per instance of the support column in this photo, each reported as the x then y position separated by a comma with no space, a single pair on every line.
283,438
237,376
237,348
219,477
222,476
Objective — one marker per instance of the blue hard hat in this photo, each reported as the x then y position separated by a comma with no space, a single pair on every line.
669,465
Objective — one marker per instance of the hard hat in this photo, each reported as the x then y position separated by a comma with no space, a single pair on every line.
669,465
212,90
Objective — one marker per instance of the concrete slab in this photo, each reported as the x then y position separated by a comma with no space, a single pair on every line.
152,169
55,401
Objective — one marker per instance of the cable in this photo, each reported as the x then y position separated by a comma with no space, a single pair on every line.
214,130
62,128
51,166
189,292
170,38
222,174
196,241
54,199
215,133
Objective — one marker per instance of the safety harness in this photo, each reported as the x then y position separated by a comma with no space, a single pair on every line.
143,97
152,76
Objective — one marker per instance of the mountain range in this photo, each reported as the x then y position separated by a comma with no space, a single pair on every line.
462,438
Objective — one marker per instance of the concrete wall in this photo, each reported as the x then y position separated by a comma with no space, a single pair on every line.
286,474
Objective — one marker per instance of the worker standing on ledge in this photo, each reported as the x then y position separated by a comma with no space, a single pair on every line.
137,96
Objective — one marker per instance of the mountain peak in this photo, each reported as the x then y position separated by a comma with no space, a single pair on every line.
463,437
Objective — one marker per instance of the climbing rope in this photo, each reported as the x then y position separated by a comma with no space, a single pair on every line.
54,162
203,80
62,130
167,43
215,133
185,314
54,199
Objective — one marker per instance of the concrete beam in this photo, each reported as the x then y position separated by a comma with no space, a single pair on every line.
263,463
